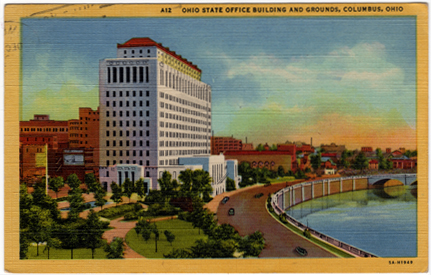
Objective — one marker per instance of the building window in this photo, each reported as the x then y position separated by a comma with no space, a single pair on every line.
107,123
147,173
121,74
107,133
107,113
107,163
141,74
109,75
140,162
114,74
140,93
148,103
121,94
127,74
147,78
148,93
107,143
148,153
107,93
148,164
148,113
148,123
148,143
107,153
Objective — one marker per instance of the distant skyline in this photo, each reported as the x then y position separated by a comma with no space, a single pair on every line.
345,80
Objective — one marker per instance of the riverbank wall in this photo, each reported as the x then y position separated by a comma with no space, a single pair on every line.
293,195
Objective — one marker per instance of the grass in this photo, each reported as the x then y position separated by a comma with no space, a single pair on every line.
283,179
79,253
330,248
185,237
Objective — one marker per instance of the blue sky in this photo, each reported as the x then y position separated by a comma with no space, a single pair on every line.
339,79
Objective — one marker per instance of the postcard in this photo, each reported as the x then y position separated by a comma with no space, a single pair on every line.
216,138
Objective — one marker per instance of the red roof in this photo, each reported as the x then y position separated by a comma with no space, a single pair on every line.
329,154
237,153
374,161
148,42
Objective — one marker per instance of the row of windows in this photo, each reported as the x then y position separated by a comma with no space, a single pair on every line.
184,102
90,119
133,51
182,126
127,114
182,152
128,74
179,83
44,129
120,143
127,103
120,133
181,135
190,128
127,153
128,162
183,110
127,93
120,122
183,144
183,118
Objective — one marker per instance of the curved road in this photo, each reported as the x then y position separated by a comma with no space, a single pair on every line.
251,215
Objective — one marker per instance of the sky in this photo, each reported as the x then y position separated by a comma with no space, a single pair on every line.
346,80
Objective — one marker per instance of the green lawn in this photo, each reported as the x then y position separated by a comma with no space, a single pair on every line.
185,237
79,253
283,179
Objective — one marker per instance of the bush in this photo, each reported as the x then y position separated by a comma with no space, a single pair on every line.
131,216
307,233
282,218
61,199
116,212
185,216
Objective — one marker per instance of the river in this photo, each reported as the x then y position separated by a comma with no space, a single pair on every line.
382,222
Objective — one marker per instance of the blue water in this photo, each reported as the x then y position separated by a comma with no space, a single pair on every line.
370,220
92,203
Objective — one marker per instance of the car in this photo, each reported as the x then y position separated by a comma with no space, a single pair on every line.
258,195
224,200
301,251
231,212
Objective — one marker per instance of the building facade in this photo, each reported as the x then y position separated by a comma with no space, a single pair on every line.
153,107
268,159
223,144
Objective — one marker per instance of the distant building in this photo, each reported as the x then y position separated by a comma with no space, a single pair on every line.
247,147
366,149
222,144
74,133
388,150
403,163
269,159
31,166
373,164
305,148
42,125
333,148
289,148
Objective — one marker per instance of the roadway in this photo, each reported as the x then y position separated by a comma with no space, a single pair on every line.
251,215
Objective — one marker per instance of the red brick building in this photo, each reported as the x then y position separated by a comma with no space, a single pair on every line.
73,133
366,149
42,125
269,159
305,148
404,163
247,147
373,164
223,144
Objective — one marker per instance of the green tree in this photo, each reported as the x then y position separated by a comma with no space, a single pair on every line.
179,254
99,195
25,204
73,181
91,182
230,184
170,237
280,171
55,184
273,147
156,234
129,188
115,249
167,185
213,248
52,243
316,161
143,228
224,232
252,245
201,184
361,162
260,147
94,231
116,193
186,178
76,202
71,238
140,188
39,225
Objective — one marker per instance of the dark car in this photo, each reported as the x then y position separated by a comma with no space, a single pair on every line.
231,212
258,195
224,200
301,251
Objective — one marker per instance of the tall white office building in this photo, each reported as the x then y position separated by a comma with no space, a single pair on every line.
153,108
